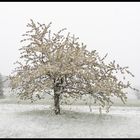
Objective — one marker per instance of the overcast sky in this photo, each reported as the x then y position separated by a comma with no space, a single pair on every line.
108,27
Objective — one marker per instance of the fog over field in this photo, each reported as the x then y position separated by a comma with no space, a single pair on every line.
109,28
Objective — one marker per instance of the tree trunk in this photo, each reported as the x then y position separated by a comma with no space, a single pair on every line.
57,91
56,104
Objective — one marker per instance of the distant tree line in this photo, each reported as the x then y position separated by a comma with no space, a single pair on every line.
1,86
137,95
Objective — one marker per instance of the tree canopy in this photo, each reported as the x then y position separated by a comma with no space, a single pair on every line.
60,62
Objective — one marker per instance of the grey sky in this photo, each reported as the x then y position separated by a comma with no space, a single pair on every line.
108,27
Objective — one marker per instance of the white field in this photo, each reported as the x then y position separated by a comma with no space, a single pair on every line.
37,120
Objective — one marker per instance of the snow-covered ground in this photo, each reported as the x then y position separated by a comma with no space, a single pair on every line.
75,121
